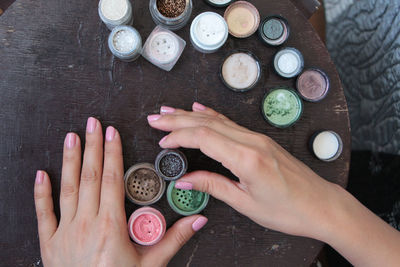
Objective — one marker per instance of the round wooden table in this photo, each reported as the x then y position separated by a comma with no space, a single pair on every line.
56,71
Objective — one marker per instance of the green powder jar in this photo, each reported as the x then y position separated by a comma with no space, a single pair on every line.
282,107
186,202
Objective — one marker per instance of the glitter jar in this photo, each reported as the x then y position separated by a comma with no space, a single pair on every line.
288,62
208,32
115,12
326,145
274,30
125,43
171,14
186,202
171,164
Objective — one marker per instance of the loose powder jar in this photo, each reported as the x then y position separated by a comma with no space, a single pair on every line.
115,12
274,30
313,85
288,62
242,19
143,186
146,226
171,14
326,145
208,32
282,107
240,71
171,164
163,48
186,202
125,43
219,3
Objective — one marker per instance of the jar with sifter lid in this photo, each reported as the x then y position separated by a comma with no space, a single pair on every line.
171,14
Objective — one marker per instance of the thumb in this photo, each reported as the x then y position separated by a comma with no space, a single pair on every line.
174,239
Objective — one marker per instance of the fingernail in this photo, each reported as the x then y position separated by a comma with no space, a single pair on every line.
110,133
39,177
166,110
198,107
154,117
91,125
184,185
70,140
199,223
163,140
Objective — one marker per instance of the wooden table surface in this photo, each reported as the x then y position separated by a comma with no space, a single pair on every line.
56,71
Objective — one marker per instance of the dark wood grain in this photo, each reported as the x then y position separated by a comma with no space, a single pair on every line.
56,70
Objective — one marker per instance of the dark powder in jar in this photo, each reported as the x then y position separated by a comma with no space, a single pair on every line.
171,165
171,8
143,184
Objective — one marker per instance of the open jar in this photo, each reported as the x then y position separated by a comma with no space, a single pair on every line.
171,14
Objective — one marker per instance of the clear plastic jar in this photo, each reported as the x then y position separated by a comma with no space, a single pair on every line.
115,12
125,43
171,23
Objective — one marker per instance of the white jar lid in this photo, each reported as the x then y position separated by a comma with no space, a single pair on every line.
163,47
113,9
288,62
327,145
209,31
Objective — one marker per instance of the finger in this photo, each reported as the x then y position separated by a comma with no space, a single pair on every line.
47,222
112,184
89,189
174,240
231,192
71,170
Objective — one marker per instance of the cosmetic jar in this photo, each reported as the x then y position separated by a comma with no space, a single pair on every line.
115,12
208,32
326,145
147,226
171,14
242,19
171,164
125,43
240,71
281,107
163,48
313,85
274,30
186,202
219,3
143,186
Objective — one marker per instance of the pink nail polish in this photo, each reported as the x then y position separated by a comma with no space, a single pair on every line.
163,140
154,117
70,140
39,177
166,110
199,223
110,133
184,185
198,107
91,125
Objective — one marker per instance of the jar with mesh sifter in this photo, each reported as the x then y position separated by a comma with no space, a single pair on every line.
143,186
186,202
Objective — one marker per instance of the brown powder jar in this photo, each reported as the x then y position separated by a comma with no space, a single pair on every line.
171,14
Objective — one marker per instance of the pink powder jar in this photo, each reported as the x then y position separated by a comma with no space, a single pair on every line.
147,226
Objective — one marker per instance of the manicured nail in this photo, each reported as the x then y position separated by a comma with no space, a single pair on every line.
39,177
91,125
184,185
154,117
163,140
166,110
199,223
70,140
198,107
110,133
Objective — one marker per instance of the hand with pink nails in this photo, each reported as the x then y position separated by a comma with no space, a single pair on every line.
275,189
93,230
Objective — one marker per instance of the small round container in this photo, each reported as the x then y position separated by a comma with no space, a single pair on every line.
274,30
208,32
115,12
143,186
172,15
219,3
147,226
242,18
288,62
313,85
282,107
125,43
186,202
171,164
240,71
326,145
